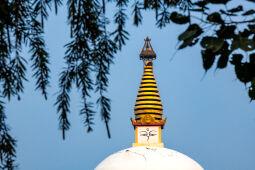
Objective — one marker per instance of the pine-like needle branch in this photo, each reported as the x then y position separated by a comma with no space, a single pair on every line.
90,51
19,27
39,58
120,17
7,143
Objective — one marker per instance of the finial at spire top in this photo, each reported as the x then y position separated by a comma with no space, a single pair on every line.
147,52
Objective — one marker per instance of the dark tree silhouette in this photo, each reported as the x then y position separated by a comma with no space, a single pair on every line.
226,33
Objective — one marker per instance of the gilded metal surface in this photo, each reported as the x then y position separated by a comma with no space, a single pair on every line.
148,102
147,94
148,119
149,111
148,81
148,107
156,98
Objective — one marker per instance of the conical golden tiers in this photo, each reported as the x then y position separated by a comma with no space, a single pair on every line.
148,107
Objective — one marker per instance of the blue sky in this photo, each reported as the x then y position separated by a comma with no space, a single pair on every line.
209,119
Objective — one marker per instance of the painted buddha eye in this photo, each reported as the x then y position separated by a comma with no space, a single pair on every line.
152,133
143,133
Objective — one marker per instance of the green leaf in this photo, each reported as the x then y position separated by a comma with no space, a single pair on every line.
253,82
237,9
251,0
222,62
195,27
236,59
235,44
187,34
212,43
218,1
226,31
215,17
243,72
243,43
251,92
252,58
252,28
246,33
179,18
189,37
252,89
188,42
249,12
247,44
208,58
201,4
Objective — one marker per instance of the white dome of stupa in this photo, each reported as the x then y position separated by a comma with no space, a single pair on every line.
148,158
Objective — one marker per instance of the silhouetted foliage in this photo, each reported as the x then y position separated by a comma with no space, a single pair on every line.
226,34
222,33
223,28
18,26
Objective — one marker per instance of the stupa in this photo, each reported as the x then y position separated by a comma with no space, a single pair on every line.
148,152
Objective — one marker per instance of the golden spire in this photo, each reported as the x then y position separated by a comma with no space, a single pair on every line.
148,107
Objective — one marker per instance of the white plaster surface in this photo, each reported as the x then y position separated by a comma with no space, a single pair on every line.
148,158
